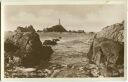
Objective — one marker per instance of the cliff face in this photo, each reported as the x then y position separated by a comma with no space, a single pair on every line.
107,50
27,47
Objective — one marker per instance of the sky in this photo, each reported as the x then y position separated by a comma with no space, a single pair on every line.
72,17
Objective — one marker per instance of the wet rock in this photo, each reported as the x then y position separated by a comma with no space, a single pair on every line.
55,40
91,66
49,42
81,68
48,71
95,72
55,72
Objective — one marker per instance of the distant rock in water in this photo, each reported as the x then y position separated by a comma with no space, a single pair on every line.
50,42
26,45
107,49
56,28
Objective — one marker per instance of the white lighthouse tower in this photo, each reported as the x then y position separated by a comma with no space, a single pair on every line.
59,22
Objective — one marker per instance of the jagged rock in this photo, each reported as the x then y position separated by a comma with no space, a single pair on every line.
107,48
114,32
28,47
26,29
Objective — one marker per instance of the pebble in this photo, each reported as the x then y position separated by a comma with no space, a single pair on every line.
54,73
95,72
48,71
81,68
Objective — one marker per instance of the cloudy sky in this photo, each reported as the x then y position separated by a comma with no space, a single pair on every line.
73,17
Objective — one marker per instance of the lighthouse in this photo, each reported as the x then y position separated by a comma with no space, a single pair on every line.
59,22
56,28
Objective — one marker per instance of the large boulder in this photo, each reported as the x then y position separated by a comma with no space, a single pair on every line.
27,47
107,49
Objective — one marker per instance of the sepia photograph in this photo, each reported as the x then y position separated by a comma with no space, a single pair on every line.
64,41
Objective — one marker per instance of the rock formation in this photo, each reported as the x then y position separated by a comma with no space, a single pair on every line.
50,42
114,32
26,29
107,49
56,28
26,46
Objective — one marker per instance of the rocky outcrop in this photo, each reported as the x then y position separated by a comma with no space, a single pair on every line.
26,29
27,47
114,32
107,49
50,42
56,28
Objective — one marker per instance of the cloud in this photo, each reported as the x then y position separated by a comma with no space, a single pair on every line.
23,17
74,17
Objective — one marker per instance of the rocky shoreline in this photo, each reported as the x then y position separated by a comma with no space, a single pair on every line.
27,57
